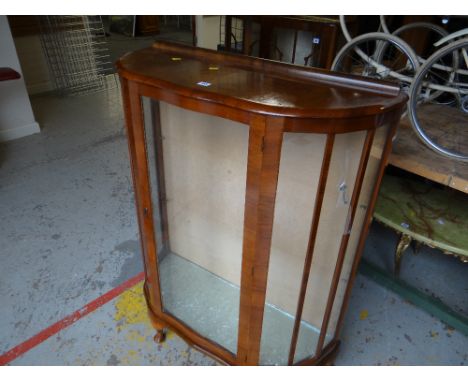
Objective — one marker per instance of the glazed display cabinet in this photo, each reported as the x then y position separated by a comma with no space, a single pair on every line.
254,185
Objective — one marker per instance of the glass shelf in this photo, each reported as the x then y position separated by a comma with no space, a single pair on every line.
203,300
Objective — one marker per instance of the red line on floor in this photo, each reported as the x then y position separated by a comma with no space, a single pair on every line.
40,337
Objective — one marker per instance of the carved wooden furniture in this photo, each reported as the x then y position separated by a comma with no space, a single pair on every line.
254,183
450,202
411,155
418,211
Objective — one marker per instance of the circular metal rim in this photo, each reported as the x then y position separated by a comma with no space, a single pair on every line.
402,45
412,103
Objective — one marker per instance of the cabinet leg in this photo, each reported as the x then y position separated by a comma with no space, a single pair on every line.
416,246
160,336
160,328
405,241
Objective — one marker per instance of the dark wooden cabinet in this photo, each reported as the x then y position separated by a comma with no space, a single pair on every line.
147,25
255,183
301,40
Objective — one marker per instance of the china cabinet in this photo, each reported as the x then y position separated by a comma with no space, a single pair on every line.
254,183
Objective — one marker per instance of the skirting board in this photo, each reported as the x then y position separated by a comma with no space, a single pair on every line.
18,132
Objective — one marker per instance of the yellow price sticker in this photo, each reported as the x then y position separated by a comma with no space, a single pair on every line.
212,67
176,58
364,314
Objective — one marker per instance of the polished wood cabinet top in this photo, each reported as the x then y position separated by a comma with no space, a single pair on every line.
257,85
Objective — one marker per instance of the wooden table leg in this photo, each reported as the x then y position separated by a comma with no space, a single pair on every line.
405,241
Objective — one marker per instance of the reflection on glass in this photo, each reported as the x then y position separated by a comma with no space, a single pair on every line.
152,131
366,190
198,167
344,164
300,164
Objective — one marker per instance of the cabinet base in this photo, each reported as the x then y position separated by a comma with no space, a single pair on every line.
327,358
209,348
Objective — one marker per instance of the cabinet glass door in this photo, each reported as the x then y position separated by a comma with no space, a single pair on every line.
197,170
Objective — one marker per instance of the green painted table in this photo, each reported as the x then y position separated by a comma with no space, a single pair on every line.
424,213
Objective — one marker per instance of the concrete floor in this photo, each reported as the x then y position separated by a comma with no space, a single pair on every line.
441,276
69,234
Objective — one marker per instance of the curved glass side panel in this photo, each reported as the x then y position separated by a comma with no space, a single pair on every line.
299,172
364,198
345,158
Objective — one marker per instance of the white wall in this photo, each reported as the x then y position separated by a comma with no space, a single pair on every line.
207,30
16,115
